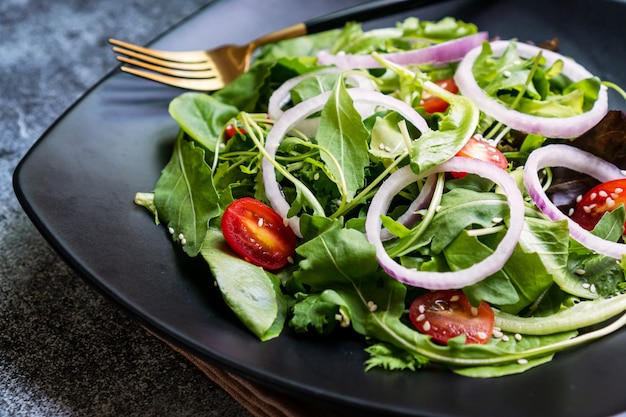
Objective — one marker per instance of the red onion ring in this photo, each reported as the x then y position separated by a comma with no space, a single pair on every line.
409,217
293,116
282,95
454,279
449,51
552,127
567,156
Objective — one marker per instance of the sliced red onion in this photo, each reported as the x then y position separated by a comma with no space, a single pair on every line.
410,216
454,279
294,115
552,127
578,160
449,51
282,96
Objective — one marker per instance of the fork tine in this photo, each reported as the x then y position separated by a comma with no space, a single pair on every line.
211,84
191,66
179,56
169,71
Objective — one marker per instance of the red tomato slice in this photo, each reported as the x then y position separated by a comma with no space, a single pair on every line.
479,148
434,104
446,314
258,234
600,199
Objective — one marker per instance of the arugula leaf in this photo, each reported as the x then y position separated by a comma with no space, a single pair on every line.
185,196
344,136
202,117
251,292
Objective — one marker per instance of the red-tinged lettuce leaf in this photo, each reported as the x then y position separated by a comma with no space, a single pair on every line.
606,140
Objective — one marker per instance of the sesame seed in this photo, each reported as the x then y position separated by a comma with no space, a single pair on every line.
570,212
603,194
505,338
592,288
381,146
426,326
619,190
586,285
518,337
615,196
588,208
183,241
495,158
421,308
496,219
610,202
388,149
260,222
522,361
454,298
421,317
316,176
506,74
181,236
482,335
474,311
580,197
286,222
497,334
171,230
580,272
290,259
372,306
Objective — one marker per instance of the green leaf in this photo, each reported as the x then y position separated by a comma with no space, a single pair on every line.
202,117
251,292
344,136
185,196
311,312
456,127
313,86
387,356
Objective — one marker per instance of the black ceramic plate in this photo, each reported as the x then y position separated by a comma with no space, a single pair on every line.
77,184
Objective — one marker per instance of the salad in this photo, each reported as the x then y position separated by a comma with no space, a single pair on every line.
435,191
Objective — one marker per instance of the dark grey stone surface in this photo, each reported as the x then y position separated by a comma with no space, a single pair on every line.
64,349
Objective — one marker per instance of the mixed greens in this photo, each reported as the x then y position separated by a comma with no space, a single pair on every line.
551,292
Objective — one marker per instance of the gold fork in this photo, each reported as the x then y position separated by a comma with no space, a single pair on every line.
216,68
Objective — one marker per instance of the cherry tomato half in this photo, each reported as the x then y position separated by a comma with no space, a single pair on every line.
600,199
434,104
479,148
257,233
446,314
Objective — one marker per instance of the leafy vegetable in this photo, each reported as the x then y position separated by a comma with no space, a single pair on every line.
185,201
549,289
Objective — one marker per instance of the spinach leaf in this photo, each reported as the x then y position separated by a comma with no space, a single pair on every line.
202,117
251,292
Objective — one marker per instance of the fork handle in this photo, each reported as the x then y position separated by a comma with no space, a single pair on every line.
363,12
